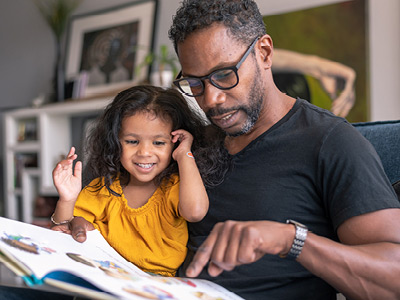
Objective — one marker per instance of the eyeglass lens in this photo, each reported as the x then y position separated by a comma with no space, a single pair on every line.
224,79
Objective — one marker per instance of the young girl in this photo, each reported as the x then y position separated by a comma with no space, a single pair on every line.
137,200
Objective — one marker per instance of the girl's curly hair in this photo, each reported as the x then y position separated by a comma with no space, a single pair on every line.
103,148
242,18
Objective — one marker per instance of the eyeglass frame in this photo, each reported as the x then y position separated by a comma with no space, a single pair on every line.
235,69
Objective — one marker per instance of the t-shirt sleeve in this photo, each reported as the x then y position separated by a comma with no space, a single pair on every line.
172,198
91,205
352,176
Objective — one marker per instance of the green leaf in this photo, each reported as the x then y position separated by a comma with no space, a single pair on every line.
56,13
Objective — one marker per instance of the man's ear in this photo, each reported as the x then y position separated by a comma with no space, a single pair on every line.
265,46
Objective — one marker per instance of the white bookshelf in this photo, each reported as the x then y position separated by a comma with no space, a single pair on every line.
47,140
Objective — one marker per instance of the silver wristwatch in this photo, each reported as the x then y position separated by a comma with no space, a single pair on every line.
299,239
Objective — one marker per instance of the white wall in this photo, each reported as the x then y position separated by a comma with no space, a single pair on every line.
27,48
384,46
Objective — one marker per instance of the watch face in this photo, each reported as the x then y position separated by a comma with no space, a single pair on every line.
296,223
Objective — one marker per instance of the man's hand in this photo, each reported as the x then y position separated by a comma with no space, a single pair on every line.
77,228
234,243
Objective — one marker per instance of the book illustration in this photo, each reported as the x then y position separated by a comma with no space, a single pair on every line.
25,244
153,292
19,242
205,296
174,280
108,267
150,292
51,258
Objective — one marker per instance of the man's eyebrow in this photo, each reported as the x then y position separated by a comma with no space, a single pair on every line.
220,65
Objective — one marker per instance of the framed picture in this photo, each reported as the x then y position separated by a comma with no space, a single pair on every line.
106,46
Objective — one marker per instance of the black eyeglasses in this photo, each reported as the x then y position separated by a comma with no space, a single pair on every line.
224,79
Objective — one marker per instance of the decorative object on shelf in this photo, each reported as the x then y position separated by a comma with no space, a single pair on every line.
27,130
166,63
103,44
56,14
76,87
39,100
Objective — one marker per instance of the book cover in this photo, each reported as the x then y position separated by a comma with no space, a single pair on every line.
92,269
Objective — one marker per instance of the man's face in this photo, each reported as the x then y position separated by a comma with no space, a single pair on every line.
235,110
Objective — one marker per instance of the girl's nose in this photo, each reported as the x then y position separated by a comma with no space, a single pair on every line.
144,149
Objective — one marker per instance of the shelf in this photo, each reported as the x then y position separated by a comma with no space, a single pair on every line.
32,171
35,140
27,146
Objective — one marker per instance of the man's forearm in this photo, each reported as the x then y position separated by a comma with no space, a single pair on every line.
359,272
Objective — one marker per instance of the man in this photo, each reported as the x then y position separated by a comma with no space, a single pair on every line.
291,163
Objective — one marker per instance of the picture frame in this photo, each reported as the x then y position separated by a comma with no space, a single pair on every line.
107,45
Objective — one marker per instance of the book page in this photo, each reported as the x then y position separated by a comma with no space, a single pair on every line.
55,257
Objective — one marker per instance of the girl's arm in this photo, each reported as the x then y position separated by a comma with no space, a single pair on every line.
68,183
193,199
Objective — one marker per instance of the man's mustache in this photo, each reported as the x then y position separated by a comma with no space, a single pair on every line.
220,111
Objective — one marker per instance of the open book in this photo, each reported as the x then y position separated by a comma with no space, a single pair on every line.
92,269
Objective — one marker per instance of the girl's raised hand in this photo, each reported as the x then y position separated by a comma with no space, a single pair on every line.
185,143
68,182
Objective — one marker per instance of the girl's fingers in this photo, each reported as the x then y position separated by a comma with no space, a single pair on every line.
72,157
71,152
78,170
174,139
176,136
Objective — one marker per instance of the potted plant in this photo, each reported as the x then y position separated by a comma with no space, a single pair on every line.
166,64
56,13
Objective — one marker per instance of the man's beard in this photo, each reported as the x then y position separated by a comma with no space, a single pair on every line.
252,110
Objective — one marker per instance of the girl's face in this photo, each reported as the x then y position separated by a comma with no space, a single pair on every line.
146,146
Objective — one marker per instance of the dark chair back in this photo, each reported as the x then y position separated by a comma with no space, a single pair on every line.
385,137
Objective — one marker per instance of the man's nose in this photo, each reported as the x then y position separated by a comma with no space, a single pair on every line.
212,96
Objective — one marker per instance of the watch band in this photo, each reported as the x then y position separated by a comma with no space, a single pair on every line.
299,239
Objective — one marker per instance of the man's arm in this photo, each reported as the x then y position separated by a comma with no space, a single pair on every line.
366,264
363,266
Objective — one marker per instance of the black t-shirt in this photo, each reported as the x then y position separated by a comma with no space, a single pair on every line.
312,167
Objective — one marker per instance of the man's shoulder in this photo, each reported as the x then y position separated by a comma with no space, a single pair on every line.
317,114
307,119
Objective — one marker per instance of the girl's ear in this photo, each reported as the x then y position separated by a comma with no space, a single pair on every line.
265,46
